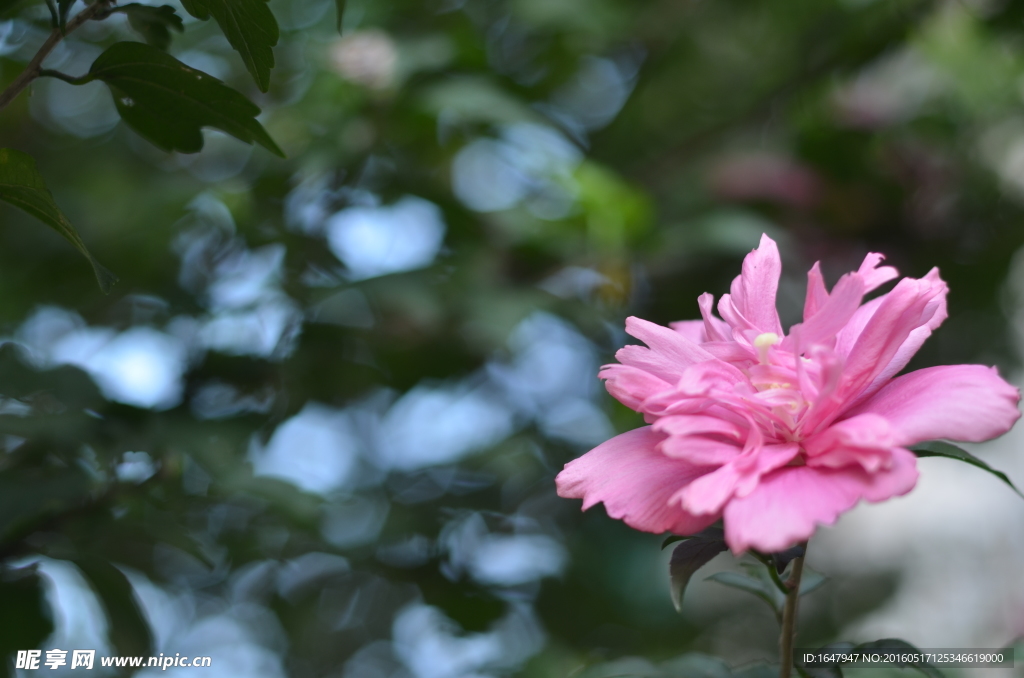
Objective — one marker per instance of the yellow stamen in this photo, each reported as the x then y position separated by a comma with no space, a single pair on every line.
762,343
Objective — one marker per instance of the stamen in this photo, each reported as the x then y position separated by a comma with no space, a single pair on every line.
762,343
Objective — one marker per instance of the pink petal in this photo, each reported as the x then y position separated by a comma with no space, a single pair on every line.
873,275
968,403
709,493
715,329
835,313
692,424
631,385
753,291
699,450
693,330
866,439
911,304
635,482
788,504
669,353
816,295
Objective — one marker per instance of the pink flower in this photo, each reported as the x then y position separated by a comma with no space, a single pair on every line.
776,434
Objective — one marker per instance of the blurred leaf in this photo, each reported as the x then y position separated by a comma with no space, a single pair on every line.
757,581
811,581
25,616
783,558
901,646
949,451
21,185
169,103
63,7
154,24
689,557
249,26
339,6
128,631
34,494
615,211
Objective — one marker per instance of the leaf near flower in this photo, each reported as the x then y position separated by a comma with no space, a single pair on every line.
249,26
169,103
949,451
690,556
154,24
21,185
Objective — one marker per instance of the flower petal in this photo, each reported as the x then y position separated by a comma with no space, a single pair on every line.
635,482
969,403
753,291
788,504
631,385
912,304
707,494
875,276
669,353
816,295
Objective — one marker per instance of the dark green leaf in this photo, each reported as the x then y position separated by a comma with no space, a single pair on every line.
28,496
339,6
25,617
689,557
22,186
756,581
169,103
129,632
811,581
249,26
63,7
941,449
901,646
154,24
784,558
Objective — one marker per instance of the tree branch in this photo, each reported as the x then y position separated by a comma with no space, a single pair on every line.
34,68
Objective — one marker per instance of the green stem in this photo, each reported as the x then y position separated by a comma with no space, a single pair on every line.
35,66
788,633
47,73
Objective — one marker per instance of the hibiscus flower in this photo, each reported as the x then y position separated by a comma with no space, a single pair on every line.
773,433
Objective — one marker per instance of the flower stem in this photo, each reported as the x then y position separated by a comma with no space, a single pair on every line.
788,633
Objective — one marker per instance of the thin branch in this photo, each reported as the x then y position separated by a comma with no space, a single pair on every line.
788,633
47,73
34,68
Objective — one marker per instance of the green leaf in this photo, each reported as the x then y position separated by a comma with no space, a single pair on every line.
63,7
169,103
25,616
689,557
941,449
811,581
901,646
129,631
249,26
340,8
154,24
30,496
757,581
21,185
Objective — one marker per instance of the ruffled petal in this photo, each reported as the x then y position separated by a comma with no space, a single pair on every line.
631,385
817,294
912,304
788,504
969,403
709,493
753,292
669,354
635,482
693,330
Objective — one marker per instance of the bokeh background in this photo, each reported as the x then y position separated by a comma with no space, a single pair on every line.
317,422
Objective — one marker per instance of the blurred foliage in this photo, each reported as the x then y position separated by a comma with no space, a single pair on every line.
324,406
